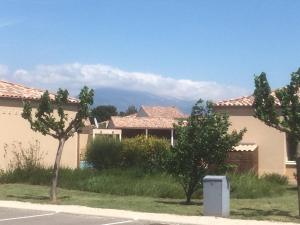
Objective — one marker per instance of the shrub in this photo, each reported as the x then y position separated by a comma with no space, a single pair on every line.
249,185
104,152
276,178
146,153
25,158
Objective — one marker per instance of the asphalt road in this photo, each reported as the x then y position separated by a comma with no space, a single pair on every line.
32,217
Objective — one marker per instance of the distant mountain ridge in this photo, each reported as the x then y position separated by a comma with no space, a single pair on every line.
123,98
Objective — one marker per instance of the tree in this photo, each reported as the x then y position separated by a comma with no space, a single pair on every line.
129,111
202,146
104,112
281,110
51,119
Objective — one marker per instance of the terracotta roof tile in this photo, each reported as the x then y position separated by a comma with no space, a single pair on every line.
17,91
163,112
241,101
142,122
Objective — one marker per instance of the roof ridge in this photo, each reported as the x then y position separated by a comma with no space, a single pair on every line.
22,85
22,91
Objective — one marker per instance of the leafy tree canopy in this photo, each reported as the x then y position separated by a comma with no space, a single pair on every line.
129,111
50,119
104,112
280,109
202,143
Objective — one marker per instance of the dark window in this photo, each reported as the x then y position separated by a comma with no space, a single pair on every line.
292,146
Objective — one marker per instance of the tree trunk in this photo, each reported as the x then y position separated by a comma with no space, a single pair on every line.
53,190
188,199
298,181
189,193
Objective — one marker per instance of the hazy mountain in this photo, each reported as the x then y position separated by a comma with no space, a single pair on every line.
122,99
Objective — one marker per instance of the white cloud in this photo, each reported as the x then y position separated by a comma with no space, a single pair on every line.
74,76
3,71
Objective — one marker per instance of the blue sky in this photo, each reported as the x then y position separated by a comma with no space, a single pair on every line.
223,43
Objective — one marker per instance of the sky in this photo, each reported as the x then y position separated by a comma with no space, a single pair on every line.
173,48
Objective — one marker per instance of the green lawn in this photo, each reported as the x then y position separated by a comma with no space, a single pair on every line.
282,208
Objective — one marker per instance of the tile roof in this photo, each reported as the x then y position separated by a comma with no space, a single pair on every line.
131,115
163,112
17,91
245,147
242,101
142,122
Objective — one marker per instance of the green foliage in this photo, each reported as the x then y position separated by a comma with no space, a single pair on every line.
249,185
129,111
104,112
123,182
51,119
276,178
147,153
104,152
202,142
136,182
45,121
285,115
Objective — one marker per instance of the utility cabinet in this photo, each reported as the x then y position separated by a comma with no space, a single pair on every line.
216,196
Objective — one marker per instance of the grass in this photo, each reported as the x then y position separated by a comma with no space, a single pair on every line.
134,181
280,208
113,181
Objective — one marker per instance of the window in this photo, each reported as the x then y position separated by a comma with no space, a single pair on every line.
291,147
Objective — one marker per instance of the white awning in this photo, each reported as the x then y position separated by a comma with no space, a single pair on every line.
245,147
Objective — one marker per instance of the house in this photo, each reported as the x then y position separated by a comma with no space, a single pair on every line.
15,130
270,148
149,120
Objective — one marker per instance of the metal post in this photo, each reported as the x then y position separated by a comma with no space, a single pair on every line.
172,137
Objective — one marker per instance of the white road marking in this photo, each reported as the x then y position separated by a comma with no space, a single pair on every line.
27,217
127,221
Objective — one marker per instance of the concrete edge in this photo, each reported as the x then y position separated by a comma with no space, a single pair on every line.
124,214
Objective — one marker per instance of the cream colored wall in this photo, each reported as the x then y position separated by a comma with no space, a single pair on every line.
14,129
271,142
84,140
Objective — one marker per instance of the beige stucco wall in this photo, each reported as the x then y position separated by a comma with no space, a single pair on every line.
14,129
271,142
84,140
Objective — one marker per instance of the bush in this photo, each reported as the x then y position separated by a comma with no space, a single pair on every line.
130,181
25,158
146,153
134,181
249,185
104,152
276,178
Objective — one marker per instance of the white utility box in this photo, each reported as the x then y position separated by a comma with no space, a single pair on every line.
216,196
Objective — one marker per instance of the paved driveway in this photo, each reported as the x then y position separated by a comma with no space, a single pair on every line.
14,213
34,217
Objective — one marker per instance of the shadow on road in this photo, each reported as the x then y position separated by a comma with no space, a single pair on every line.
176,202
34,197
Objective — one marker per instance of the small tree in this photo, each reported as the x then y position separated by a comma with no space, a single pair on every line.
104,112
202,144
129,111
51,119
283,116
